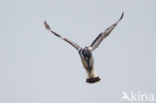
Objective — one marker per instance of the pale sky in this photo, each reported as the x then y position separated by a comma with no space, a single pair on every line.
38,67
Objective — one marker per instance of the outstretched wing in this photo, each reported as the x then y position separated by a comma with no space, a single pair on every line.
67,40
104,34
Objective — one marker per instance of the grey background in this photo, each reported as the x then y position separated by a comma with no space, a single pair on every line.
37,67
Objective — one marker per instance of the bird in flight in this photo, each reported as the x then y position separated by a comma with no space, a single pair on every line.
86,53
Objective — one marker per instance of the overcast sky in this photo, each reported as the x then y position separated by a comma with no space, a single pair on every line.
37,67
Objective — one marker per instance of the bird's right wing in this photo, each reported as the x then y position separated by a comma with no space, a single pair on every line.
104,34
67,40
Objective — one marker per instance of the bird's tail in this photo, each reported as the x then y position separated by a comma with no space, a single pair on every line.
92,76
93,79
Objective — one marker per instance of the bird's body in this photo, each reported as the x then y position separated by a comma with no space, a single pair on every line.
88,63
86,53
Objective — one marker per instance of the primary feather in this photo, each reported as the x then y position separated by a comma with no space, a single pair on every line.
104,34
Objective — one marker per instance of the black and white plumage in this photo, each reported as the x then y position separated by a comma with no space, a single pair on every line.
86,53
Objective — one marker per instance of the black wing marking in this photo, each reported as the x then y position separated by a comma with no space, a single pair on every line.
67,40
104,34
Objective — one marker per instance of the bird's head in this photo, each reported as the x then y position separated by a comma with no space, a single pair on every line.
87,53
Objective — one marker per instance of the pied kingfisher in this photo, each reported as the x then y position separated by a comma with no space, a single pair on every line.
86,53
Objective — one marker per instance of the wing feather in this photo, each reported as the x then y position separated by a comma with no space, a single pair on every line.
67,40
104,34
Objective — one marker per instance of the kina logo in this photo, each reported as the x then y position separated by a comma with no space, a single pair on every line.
138,96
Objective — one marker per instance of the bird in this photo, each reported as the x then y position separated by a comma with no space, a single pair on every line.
86,52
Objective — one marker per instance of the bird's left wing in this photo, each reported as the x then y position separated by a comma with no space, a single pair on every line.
67,40
104,34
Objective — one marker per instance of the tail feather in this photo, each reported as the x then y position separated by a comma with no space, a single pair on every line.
93,80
